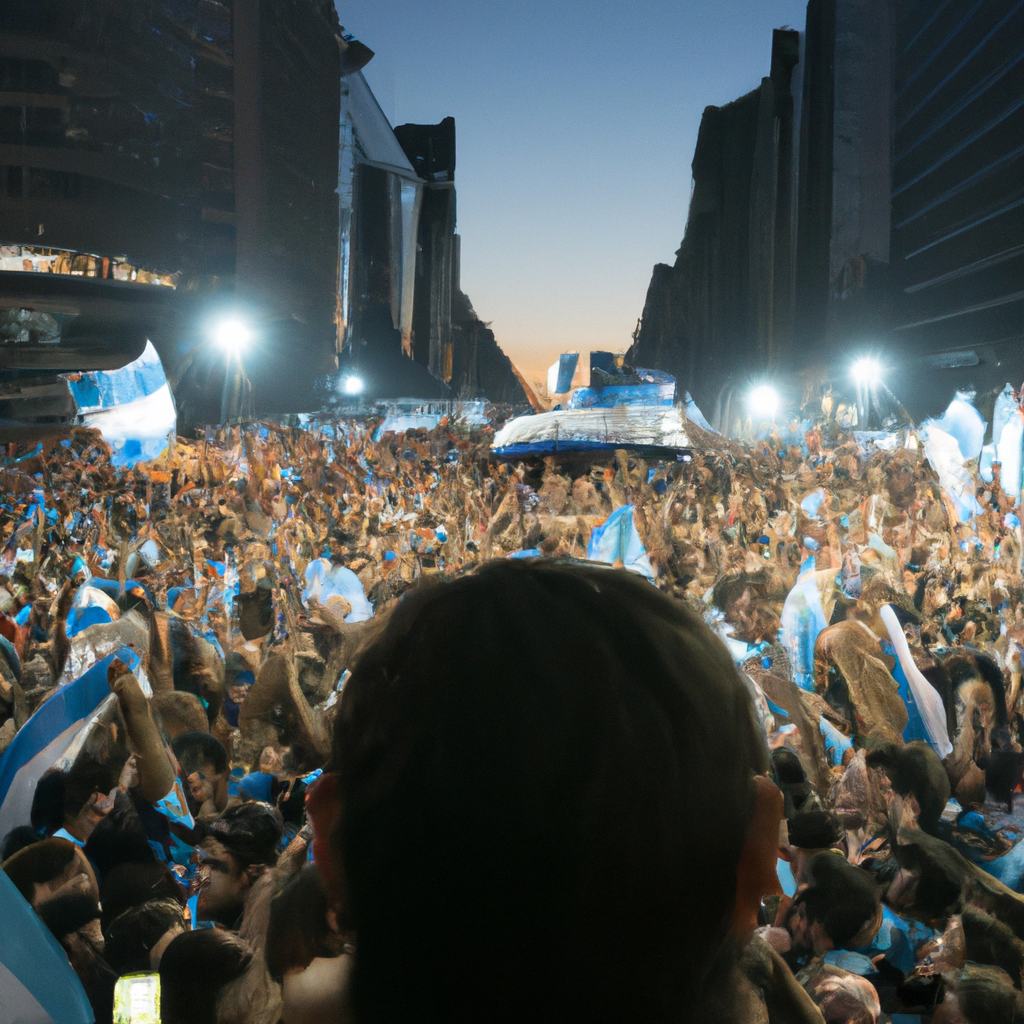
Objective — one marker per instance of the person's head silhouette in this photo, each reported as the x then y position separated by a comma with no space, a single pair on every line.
544,780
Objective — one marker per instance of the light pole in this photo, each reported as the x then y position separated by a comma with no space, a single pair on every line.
233,336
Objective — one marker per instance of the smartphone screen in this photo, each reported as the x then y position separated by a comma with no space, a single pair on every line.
137,999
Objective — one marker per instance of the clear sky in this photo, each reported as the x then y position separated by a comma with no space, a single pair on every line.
576,123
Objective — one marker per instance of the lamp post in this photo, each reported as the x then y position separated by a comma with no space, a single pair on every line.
233,336
762,403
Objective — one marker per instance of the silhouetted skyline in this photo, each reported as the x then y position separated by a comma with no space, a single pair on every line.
576,127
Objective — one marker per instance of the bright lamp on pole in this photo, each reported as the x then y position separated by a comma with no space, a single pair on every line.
867,371
232,336
763,402
352,385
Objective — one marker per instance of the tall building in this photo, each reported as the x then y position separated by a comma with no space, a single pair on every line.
407,330
198,139
958,192
843,220
164,166
726,306
907,232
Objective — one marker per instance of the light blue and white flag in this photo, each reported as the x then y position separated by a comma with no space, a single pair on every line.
617,540
49,735
132,407
37,984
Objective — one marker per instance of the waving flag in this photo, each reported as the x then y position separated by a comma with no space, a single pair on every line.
37,984
50,735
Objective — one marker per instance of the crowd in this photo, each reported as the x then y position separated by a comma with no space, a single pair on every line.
355,764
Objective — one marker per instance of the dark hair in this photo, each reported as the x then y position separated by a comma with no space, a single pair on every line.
129,885
840,897
131,935
987,996
989,941
942,875
250,832
789,775
813,830
915,769
84,778
67,912
120,838
786,767
194,968
178,712
48,802
195,750
41,862
298,930
17,839
522,755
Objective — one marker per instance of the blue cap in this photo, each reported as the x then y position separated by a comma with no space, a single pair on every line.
256,786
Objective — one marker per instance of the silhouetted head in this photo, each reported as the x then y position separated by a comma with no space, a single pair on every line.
545,782
836,906
137,939
195,970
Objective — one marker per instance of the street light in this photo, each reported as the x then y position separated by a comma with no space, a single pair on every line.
353,385
763,402
867,371
233,336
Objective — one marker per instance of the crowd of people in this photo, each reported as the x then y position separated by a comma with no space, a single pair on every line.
356,763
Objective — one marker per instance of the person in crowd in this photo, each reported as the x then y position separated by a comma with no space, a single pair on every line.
137,939
791,778
204,762
302,925
305,951
130,885
55,877
915,772
238,849
979,994
47,814
50,867
837,906
17,839
88,798
805,835
119,838
73,917
842,997
522,761
201,973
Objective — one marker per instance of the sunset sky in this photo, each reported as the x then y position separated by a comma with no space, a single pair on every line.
576,124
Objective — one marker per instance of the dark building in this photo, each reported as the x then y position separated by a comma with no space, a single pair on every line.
407,330
726,308
411,332
199,138
164,166
844,184
907,184
958,193
431,151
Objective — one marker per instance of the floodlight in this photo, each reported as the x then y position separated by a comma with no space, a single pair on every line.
867,371
232,336
353,385
763,402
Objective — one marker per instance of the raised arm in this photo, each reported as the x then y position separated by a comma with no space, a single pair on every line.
156,774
